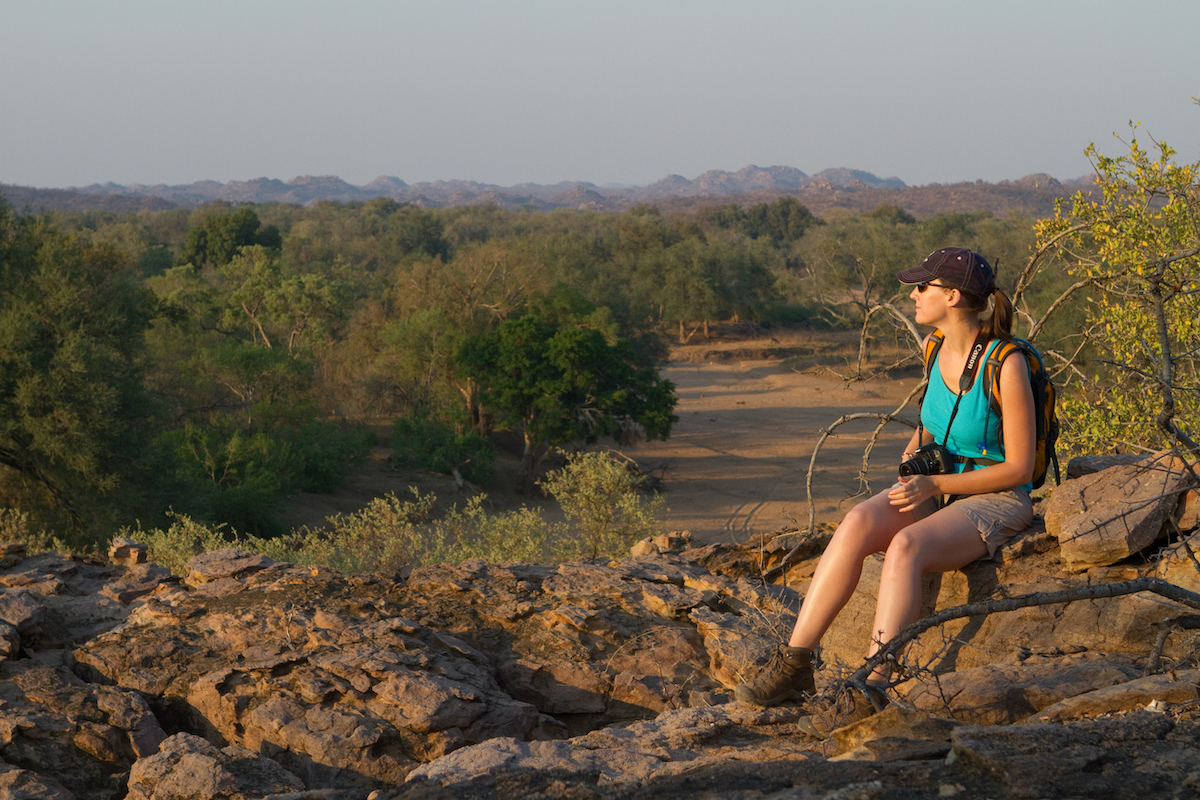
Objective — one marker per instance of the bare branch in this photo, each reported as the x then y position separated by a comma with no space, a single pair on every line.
1030,269
891,649
1058,302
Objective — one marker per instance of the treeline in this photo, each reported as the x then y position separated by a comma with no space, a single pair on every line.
215,361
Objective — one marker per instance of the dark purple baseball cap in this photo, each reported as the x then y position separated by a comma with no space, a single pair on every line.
956,266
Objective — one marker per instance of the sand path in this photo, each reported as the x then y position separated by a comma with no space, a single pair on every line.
736,462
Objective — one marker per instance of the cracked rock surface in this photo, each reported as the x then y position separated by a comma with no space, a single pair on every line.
252,678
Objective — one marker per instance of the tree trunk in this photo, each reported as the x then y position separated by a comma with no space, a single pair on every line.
531,459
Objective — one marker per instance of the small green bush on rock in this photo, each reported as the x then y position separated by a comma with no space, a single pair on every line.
603,498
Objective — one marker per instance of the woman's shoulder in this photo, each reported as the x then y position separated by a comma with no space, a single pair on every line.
1014,366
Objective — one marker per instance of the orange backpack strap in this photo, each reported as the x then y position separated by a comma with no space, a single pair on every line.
991,372
932,345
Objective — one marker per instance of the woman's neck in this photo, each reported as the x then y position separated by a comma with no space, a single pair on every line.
960,335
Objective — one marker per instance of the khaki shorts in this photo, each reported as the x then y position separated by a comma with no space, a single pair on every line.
999,516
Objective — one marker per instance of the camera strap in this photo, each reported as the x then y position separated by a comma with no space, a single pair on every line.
965,381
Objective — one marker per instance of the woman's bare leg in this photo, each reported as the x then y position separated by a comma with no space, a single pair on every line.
941,542
868,528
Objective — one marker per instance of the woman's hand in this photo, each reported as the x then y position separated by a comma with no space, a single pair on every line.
910,491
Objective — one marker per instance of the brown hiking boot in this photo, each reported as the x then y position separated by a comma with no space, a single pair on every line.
849,706
787,675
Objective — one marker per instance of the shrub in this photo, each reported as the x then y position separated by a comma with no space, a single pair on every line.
597,492
603,498
520,535
388,535
14,527
184,539
421,442
326,454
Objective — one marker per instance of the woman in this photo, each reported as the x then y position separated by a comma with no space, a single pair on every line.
912,523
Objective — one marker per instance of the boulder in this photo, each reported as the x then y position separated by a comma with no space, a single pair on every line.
878,737
67,592
227,563
1079,466
23,610
139,581
580,679
1143,755
359,680
125,552
82,735
1180,564
675,743
10,641
188,767
1005,694
23,784
1107,516
1171,688
673,542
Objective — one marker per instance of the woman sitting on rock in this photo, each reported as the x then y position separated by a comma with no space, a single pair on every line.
926,522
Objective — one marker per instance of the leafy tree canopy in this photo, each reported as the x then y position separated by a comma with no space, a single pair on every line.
1136,240
219,238
891,213
72,403
556,375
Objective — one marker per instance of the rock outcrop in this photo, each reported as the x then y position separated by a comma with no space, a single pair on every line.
248,677
1107,516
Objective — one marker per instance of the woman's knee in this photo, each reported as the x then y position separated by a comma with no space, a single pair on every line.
869,516
905,548
865,529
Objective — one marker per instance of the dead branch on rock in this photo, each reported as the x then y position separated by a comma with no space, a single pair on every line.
889,651
1166,627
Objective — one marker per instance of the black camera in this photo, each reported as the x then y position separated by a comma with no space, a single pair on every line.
930,459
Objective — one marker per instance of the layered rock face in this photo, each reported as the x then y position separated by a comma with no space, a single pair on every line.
251,678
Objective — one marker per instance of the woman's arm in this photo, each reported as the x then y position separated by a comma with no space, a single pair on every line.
920,437
1019,432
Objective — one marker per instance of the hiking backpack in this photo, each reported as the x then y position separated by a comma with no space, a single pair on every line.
1044,395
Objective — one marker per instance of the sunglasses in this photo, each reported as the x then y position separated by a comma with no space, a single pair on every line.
921,287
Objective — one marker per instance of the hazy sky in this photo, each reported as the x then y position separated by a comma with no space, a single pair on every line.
607,91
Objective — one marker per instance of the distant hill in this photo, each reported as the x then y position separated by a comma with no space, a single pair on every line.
850,189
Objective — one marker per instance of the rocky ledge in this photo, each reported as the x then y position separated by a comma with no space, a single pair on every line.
250,678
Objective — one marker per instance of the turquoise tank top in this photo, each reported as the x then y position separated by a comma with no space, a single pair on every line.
976,430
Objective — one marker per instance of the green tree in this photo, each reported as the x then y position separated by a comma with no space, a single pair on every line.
279,307
74,415
852,266
782,221
235,359
219,238
891,213
1135,239
554,374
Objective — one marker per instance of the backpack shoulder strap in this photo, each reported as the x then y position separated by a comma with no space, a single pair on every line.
991,371
932,345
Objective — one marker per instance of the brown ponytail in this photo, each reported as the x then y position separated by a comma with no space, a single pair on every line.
998,325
